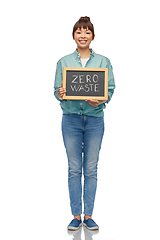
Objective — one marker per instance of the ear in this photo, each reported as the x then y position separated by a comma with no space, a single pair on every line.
93,37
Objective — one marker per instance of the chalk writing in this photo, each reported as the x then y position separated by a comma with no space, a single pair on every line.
85,83
85,88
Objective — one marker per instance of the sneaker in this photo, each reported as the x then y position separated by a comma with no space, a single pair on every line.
75,224
90,224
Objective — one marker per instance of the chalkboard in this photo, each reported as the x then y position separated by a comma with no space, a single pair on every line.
85,83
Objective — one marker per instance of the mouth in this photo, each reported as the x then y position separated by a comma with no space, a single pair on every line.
82,41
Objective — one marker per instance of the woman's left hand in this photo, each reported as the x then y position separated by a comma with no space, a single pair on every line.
94,102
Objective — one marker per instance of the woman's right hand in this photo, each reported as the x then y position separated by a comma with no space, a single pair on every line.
60,92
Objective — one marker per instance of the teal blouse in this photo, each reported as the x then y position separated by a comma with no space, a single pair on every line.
80,106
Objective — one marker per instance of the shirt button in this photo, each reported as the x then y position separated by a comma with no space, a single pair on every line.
81,104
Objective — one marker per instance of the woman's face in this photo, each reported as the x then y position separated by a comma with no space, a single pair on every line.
83,37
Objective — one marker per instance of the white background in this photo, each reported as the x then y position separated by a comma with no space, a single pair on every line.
34,202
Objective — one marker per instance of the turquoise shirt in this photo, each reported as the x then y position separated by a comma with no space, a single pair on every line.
80,106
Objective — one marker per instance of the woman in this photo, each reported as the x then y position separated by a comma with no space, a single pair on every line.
82,125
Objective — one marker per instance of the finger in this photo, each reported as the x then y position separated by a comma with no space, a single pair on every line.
94,101
62,89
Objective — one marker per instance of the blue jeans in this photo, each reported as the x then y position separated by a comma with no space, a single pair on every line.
82,137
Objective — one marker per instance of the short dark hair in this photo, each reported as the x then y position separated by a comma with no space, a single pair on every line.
83,22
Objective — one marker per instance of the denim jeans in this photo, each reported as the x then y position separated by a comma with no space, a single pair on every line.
82,137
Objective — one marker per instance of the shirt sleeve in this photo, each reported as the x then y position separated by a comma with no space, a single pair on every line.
111,82
58,79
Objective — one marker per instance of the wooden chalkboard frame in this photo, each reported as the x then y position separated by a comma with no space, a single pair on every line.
105,70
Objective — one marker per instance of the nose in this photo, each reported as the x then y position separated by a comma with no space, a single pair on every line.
83,35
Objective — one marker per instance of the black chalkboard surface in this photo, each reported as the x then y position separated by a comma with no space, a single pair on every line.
85,83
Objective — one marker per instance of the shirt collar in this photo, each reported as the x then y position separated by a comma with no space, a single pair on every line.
77,55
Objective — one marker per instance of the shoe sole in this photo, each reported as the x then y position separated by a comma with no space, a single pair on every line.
91,228
74,228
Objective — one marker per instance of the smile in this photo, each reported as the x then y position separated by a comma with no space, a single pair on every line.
83,41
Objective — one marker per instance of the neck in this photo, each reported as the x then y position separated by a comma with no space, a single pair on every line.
85,53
